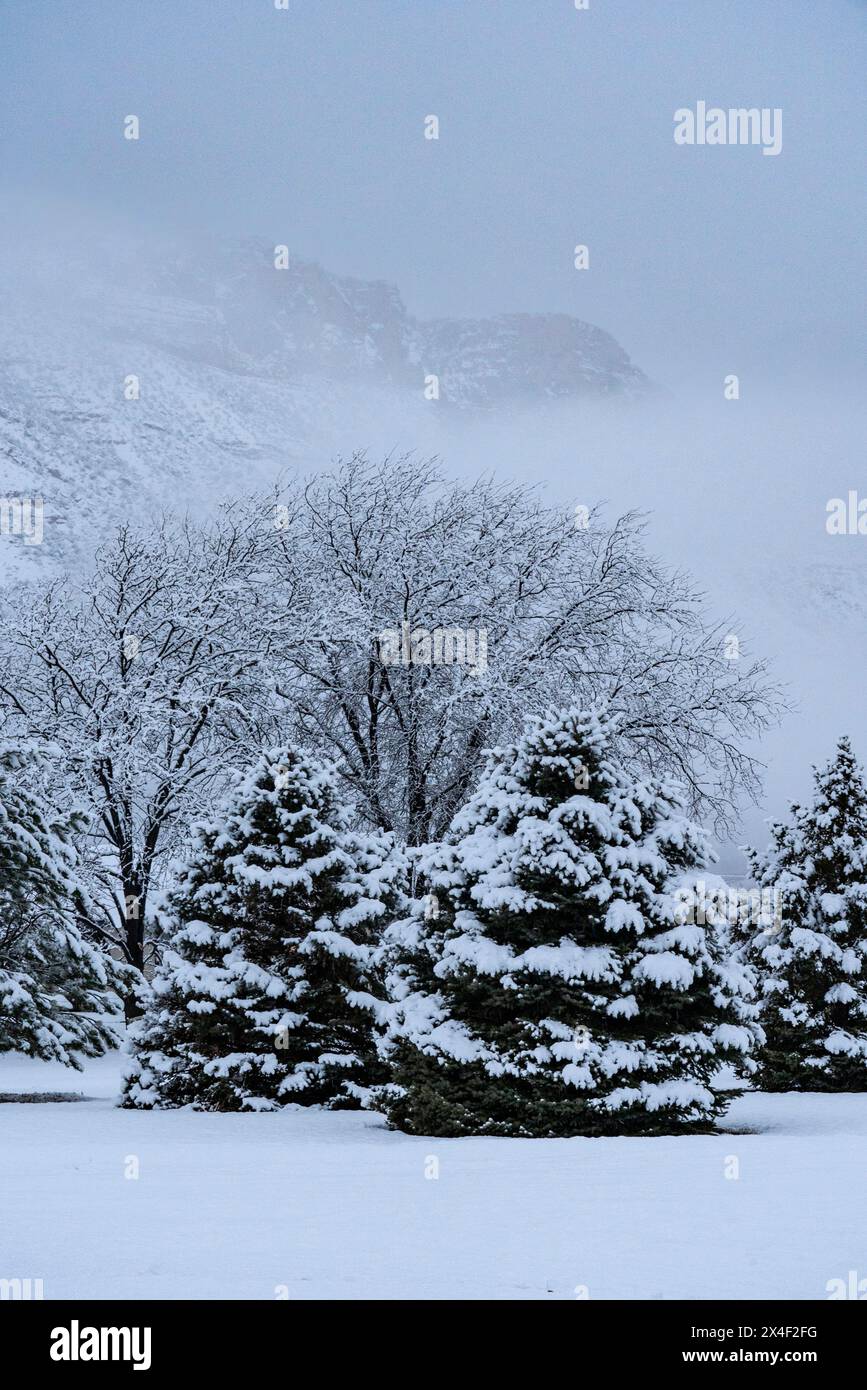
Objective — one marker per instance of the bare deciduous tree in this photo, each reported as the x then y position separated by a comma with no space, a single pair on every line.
143,679
572,609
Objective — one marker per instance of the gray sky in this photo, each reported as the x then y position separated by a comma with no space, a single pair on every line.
306,127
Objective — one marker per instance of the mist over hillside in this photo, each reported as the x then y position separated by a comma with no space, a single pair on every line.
244,373
138,375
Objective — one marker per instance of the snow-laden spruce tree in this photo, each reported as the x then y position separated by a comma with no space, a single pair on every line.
548,986
59,996
813,968
268,987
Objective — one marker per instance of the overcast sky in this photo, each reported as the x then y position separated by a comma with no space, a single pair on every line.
556,127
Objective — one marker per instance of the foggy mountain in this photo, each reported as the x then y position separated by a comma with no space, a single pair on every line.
152,378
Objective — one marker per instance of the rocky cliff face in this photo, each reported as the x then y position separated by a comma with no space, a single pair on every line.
237,310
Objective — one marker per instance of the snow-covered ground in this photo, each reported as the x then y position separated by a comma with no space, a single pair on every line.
306,1204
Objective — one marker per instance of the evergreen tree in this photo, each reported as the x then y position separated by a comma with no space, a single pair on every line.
59,996
268,988
548,985
813,966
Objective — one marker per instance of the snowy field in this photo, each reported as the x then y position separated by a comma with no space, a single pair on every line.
336,1206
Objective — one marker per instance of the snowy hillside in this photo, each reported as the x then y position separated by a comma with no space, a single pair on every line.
164,377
